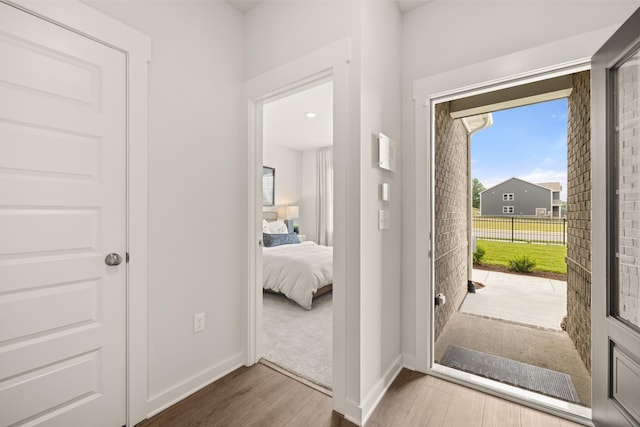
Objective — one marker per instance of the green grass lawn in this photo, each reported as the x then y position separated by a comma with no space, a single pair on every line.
547,257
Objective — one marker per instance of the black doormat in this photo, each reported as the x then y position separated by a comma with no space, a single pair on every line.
523,375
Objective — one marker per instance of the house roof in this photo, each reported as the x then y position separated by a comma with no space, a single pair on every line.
546,185
554,186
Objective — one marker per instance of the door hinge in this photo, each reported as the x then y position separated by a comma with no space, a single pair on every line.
126,258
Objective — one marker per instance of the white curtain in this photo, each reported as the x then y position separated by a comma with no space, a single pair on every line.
324,196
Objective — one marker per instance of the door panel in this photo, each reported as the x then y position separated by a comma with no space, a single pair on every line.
626,377
626,109
62,154
62,210
616,228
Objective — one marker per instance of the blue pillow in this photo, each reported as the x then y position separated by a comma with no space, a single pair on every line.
279,239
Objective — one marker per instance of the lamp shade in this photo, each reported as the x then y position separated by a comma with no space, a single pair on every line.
288,212
292,212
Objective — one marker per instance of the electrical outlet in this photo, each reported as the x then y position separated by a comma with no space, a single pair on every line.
198,322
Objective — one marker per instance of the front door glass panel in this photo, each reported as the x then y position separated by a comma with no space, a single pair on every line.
626,287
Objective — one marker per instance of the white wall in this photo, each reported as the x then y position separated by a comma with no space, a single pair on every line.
443,36
288,164
196,246
381,273
279,31
295,183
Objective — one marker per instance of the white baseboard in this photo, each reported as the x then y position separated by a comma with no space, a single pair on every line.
409,361
374,397
173,395
353,413
360,414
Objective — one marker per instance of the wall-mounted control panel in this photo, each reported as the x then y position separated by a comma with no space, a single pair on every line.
385,192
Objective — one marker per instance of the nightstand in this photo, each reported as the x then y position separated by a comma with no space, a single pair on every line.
302,237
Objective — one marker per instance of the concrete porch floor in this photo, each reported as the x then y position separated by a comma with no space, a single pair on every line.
515,319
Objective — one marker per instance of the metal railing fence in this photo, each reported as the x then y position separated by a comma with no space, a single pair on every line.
550,231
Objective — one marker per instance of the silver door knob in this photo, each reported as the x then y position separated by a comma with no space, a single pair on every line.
113,259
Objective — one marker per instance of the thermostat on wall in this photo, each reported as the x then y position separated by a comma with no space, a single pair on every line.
386,153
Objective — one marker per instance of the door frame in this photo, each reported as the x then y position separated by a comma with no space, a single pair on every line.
557,407
562,57
605,329
328,63
88,22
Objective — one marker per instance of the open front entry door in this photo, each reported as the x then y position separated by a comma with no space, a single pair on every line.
616,228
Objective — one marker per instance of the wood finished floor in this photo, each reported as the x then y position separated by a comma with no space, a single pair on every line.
261,396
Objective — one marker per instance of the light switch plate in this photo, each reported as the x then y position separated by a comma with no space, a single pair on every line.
384,219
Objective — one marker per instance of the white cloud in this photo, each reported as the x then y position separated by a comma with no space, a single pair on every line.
542,175
547,175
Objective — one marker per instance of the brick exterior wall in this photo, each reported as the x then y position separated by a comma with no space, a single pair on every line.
451,215
628,199
579,216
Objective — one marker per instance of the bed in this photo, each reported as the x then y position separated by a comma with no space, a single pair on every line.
299,270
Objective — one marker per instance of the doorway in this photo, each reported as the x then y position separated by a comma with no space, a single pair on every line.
297,301
330,63
443,88
493,325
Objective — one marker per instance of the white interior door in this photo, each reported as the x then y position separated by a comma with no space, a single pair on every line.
62,210
616,228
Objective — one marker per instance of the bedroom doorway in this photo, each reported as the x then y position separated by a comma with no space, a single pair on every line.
327,64
297,221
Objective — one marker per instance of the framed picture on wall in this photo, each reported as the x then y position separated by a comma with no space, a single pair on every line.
268,186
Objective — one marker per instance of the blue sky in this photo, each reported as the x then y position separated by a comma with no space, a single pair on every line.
527,142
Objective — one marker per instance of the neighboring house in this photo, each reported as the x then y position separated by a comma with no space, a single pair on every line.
517,197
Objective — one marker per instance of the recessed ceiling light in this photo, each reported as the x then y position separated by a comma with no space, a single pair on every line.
311,115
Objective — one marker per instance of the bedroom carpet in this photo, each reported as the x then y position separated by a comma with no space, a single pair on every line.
299,340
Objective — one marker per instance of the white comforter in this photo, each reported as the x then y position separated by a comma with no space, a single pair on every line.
297,270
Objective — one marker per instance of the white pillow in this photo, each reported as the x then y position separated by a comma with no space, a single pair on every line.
275,227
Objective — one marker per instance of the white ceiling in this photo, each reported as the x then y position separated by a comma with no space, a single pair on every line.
244,6
285,123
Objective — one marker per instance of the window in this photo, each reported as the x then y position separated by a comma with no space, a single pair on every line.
268,186
507,209
507,197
